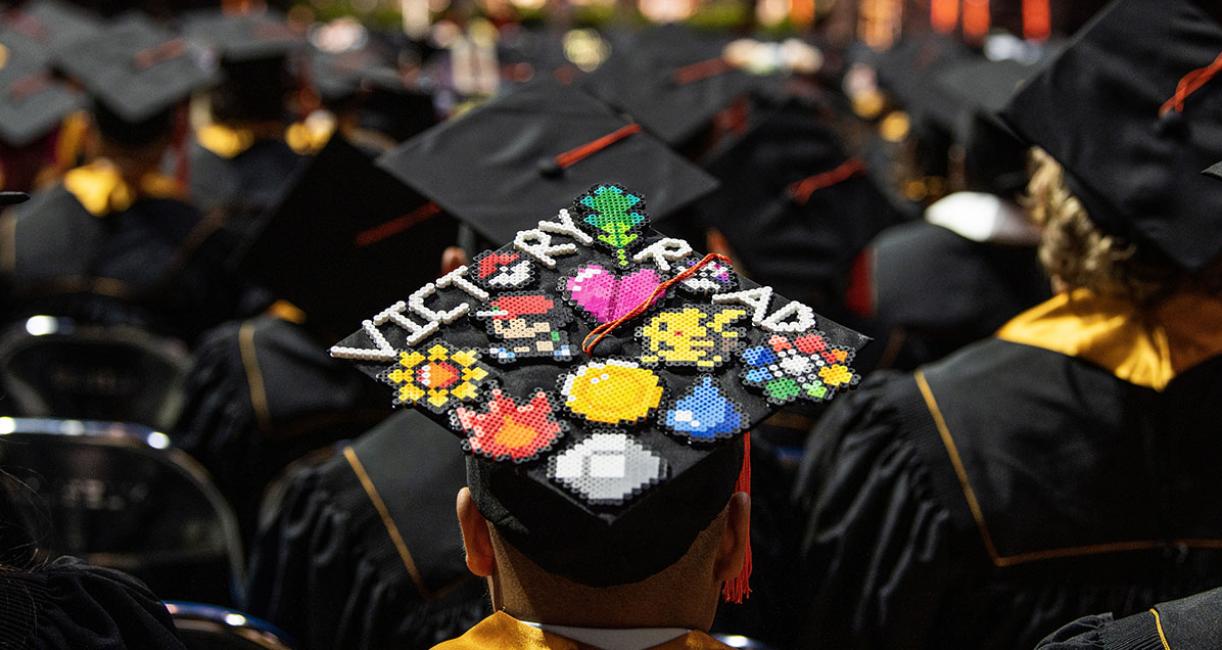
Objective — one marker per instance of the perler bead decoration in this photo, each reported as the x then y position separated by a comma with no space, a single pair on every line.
438,378
609,468
527,324
503,270
505,430
604,296
615,217
698,336
611,391
703,413
711,279
806,366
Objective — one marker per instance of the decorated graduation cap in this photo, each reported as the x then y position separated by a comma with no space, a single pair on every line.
340,232
671,80
43,28
136,73
32,102
540,144
602,378
1130,110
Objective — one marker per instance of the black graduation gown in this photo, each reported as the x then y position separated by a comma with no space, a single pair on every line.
68,604
1193,623
927,291
336,570
157,265
244,186
262,393
1003,491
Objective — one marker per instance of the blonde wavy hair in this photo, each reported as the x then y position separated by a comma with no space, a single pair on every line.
1074,251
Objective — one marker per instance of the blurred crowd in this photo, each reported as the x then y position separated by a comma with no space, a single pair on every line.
1019,213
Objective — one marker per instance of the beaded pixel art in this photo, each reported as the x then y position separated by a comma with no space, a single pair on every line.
611,391
703,413
699,336
604,296
806,366
502,270
527,324
711,279
507,430
615,217
608,468
438,378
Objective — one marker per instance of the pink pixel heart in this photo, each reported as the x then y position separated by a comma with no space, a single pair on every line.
606,296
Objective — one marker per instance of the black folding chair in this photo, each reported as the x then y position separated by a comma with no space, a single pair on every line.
208,627
53,367
739,641
120,496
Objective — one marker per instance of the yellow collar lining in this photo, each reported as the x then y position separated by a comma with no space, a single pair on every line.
1143,348
102,190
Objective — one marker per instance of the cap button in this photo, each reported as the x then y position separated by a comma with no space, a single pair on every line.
1171,124
549,168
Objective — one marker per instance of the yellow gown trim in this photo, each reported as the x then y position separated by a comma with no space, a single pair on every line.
306,137
225,141
1143,348
504,631
102,190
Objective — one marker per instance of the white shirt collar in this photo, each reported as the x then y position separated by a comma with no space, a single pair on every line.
637,638
983,218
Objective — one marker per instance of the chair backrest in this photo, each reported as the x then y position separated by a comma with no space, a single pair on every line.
739,641
208,627
51,366
119,496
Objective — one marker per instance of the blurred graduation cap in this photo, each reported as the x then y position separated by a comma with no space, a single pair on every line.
995,158
339,76
137,73
32,102
1214,170
539,144
794,206
1130,110
602,462
249,36
344,224
43,28
671,80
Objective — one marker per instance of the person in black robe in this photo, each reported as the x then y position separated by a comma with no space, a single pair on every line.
115,243
364,551
243,160
928,287
1193,623
1065,466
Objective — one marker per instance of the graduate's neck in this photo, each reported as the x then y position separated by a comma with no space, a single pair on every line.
133,163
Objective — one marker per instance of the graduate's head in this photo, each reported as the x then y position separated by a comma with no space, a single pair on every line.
604,455
1125,117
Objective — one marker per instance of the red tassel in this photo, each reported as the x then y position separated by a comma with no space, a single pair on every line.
739,589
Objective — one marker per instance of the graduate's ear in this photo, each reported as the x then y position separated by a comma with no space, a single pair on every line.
476,539
732,552
452,258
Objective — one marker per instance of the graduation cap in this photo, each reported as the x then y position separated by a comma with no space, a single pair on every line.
1130,110
601,376
342,224
339,76
249,36
1214,170
995,159
671,80
43,28
32,102
136,73
541,143
794,205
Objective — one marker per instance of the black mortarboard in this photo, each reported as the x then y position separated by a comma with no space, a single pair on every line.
136,73
43,28
794,206
32,102
995,159
249,36
602,465
539,144
1214,170
344,223
1130,109
339,76
906,70
671,80
396,107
